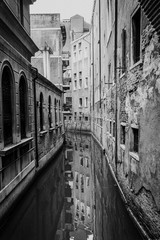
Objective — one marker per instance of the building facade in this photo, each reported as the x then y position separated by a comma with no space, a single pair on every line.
30,107
80,52
49,35
125,101
16,105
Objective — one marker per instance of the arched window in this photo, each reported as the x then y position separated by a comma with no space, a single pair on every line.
49,112
23,106
41,112
7,100
55,110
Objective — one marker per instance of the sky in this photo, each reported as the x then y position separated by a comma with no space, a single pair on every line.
66,8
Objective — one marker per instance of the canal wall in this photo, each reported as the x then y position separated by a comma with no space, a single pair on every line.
11,199
125,107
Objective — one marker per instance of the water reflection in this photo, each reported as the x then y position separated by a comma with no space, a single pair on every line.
93,207
79,190
37,214
75,198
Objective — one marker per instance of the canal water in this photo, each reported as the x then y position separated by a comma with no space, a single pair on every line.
75,197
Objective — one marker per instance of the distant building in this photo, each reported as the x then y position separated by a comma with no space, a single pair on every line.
76,28
50,36
81,82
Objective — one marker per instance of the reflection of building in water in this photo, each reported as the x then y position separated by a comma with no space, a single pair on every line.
66,220
77,217
83,183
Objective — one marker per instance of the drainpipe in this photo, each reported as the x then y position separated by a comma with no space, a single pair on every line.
115,77
35,116
100,50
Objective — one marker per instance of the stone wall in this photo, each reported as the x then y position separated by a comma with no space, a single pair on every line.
138,111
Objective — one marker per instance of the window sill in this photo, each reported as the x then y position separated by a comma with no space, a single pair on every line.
134,155
136,64
42,133
11,148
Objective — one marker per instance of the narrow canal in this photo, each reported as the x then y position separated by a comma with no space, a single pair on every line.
74,198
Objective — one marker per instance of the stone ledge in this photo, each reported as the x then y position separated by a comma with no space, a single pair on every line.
7,150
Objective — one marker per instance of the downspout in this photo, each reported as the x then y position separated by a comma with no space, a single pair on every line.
115,77
100,50
35,116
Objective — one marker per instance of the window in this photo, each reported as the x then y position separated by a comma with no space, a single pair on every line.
86,119
20,11
80,50
80,79
86,102
59,111
69,100
80,102
49,112
86,82
79,45
55,110
41,112
109,75
114,129
123,134
75,84
23,106
135,140
81,161
74,48
123,50
75,81
87,162
110,127
87,181
80,83
136,36
7,100
75,115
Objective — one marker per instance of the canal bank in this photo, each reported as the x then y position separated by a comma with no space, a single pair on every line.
77,195
9,203
35,214
126,201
